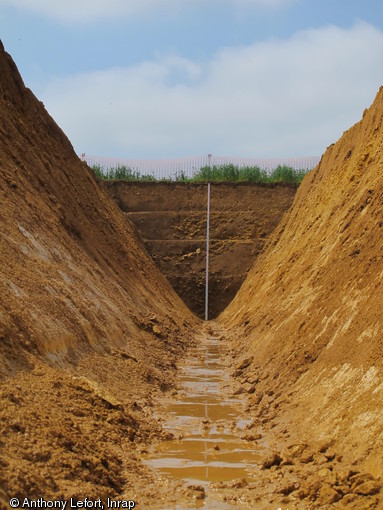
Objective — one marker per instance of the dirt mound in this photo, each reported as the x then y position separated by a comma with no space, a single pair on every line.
171,217
89,329
309,311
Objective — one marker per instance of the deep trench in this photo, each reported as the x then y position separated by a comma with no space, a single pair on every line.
211,442
171,220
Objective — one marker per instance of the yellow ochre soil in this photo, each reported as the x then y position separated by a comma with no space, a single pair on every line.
309,315
91,334
90,331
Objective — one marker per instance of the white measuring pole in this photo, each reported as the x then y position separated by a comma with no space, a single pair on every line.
207,255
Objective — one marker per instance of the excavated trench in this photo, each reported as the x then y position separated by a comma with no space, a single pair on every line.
171,218
91,333
212,443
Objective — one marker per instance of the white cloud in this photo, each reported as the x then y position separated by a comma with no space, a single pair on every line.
278,98
90,10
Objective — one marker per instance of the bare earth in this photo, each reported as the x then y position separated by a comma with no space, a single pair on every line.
90,331
171,218
92,336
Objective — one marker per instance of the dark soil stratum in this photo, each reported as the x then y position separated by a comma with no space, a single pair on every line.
93,336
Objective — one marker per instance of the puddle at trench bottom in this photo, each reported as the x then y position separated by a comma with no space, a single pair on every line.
209,427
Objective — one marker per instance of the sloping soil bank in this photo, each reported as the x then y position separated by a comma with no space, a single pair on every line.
309,316
90,331
171,218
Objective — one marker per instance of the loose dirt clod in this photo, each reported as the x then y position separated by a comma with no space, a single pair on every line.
272,459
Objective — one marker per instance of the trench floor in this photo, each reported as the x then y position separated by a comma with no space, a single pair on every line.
208,423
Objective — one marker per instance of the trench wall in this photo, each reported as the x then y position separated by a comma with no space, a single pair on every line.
171,218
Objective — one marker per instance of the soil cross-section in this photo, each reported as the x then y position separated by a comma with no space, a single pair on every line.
171,218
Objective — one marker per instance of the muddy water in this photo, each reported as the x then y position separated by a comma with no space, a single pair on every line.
208,426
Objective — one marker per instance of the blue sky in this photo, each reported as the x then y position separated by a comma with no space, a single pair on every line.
173,78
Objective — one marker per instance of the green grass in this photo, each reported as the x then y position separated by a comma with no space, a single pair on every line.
120,172
220,173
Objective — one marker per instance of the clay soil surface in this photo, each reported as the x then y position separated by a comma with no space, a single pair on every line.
171,218
309,315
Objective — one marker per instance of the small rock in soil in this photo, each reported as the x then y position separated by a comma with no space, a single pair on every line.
330,455
343,489
272,460
327,475
296,450
257,398
360,478
287,461
237,484
368,488
306,458
349,498
328,495
251,437
198,491
289,488
239,391
245,363
321,459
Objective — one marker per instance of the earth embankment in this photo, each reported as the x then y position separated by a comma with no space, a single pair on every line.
309,311
171,218
89,328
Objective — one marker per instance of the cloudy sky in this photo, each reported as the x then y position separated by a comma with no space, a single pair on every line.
173,78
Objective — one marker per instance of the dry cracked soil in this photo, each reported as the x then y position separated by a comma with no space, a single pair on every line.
111,387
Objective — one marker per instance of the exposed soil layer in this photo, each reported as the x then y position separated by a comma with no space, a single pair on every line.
90,331
171,217
309,312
